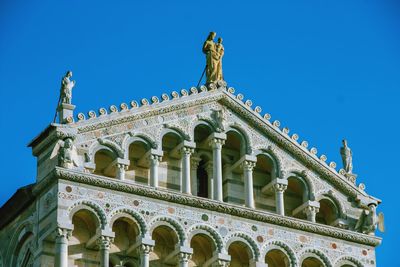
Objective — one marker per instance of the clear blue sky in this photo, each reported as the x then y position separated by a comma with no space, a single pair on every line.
325,69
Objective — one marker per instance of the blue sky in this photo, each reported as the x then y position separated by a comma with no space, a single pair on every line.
325,69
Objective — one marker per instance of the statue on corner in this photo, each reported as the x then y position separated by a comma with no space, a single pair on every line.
67,157
214,53
66,88
369,221
347,157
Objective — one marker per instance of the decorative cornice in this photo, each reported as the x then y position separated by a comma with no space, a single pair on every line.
135,113
212,205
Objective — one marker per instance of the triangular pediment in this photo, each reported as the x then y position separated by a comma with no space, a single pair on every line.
219,106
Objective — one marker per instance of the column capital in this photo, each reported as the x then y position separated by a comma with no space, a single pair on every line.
277,185
309,208
186,150
248,165
280,187
217,143
105,242
184,257
145,248
195,161
63,232
155,158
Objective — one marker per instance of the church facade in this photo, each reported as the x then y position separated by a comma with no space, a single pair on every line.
194,178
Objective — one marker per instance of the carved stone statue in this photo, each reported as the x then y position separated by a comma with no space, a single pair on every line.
66,88
220,119
220,53
369,221
67,157
214,53
347,157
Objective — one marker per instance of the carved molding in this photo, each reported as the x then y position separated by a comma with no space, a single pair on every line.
212,205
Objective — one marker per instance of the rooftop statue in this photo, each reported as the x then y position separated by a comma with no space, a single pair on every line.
369,221
347,157
214,53
66,88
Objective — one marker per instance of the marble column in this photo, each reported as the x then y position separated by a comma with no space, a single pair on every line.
248,182
144,252
193,170
154,163
186,152
61,253
279,190
121,169
216,145
210,186
184,259
105,245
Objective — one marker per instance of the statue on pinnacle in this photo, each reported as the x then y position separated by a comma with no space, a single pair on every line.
214,53
66,88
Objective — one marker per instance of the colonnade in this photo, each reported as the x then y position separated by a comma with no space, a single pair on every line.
189,164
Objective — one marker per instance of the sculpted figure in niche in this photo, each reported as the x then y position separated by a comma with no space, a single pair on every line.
369,221
67,157
214,53
66,88
347,157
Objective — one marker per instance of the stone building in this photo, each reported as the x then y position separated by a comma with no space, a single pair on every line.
194,178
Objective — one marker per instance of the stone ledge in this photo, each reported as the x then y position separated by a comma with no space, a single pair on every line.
212,205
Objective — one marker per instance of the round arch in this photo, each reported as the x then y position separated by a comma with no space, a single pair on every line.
314,253
96,146
174,130
284,248
242,237
330,195
305,179
92,208
208,231
348,260
272,155
131,214
171,223
201,122
24,228
247,149
128,140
